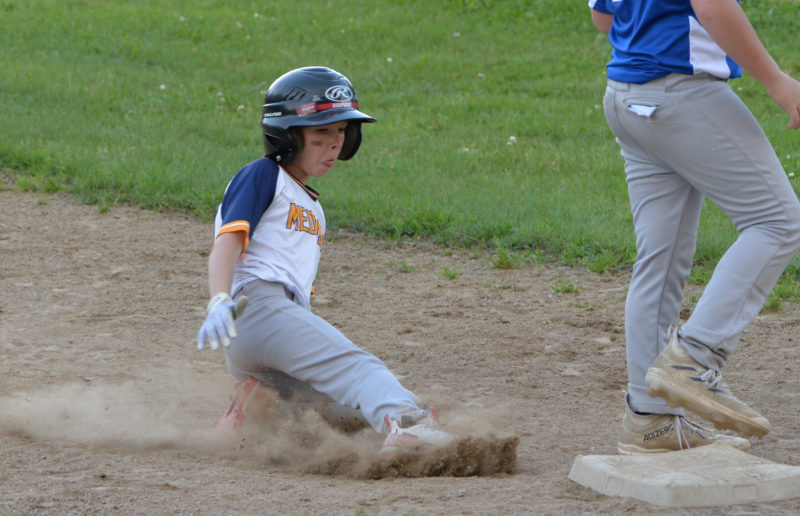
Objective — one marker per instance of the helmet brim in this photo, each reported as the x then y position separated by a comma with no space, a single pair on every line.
330,116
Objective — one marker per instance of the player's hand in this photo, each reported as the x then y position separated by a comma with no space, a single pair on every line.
219,324
785,92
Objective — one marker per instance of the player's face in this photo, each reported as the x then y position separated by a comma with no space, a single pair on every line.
321,148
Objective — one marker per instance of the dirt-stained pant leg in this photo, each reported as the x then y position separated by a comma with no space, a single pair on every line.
276,334
685,138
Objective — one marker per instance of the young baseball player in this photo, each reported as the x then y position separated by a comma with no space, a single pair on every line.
269,230
686,136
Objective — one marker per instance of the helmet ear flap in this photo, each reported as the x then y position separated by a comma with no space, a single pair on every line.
297,135
281,149
352,140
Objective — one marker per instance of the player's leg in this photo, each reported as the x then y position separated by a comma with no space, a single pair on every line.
277,334
738,170
715,144
300,396
665,212
665,215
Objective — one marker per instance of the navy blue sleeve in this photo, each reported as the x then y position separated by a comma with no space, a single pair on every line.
600,6
249,194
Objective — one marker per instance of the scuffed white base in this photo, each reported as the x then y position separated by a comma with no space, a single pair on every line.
707,476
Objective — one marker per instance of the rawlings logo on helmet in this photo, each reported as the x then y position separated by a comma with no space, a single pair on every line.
339,93
307,109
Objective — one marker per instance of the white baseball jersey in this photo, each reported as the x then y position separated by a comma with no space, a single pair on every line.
284,226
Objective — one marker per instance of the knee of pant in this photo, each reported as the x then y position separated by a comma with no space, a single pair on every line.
792,232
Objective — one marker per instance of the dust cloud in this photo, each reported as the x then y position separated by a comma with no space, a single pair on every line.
275,434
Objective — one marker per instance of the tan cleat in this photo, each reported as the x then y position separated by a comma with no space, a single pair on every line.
658,433
682,382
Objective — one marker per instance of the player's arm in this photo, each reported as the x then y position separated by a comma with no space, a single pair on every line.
221,310
727,23
222,262
602,20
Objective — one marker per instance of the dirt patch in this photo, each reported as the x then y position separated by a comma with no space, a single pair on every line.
106,405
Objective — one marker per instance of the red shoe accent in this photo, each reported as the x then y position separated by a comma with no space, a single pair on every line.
234,417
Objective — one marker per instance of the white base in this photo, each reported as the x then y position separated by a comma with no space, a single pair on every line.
707,476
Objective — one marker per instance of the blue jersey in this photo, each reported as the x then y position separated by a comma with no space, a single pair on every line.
654,38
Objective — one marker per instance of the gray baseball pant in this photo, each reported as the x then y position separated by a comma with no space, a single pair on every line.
685,138
277,338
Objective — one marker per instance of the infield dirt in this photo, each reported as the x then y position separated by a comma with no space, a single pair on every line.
106,404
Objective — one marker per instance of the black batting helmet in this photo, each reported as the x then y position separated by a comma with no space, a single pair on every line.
308,97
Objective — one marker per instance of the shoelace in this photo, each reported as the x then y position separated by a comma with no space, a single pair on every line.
712,377
702,431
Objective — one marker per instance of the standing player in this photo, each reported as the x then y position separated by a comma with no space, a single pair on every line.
268,233
686,136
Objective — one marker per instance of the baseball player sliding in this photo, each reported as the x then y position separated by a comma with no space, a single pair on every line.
269,229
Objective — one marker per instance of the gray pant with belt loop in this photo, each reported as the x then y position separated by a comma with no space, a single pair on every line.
290,348
685,138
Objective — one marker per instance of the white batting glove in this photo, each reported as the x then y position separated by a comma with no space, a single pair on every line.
218,326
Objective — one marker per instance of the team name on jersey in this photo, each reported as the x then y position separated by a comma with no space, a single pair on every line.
302,219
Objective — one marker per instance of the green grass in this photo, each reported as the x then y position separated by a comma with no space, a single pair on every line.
450,273
402,266
565,287
505,259
490,129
